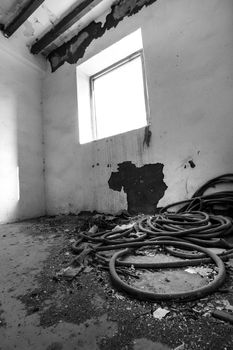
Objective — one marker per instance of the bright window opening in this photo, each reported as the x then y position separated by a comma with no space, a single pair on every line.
112,92
118,98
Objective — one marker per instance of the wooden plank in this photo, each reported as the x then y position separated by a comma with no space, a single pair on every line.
23,15
71,18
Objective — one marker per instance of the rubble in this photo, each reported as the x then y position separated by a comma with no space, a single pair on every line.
86,262
202,271
160,313
70,272
180,347
182,317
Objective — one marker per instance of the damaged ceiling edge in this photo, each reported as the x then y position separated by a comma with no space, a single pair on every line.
64,24
75,48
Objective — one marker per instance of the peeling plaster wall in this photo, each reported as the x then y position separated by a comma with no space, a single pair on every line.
21,148
189,63
74,49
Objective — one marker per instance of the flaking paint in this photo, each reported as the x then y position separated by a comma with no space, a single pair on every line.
188,48
119,10
144,186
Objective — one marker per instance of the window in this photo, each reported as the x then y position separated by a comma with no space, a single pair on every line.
112,100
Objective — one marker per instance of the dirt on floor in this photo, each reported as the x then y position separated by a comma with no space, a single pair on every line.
41,309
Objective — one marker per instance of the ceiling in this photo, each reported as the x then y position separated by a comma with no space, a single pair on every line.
48,14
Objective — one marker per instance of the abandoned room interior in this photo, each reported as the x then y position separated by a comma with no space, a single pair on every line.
116,177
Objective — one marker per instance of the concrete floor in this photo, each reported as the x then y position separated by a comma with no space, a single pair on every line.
37,311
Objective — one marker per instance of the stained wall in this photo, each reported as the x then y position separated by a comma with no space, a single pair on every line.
188,47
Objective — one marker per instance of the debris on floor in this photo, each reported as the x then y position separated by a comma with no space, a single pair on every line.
194,227
202,271
222,315
70,272
180,347
160,313
230,263
164,279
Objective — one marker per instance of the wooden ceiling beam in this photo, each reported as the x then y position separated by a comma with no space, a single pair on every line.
22,16
71,18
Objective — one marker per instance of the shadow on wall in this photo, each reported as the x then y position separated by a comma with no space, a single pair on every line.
144,186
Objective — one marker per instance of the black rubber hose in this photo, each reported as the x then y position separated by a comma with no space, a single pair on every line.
167,264
187,255
225,178
178,296
207,233
192,222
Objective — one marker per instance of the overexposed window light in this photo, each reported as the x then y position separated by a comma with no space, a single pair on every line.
112,93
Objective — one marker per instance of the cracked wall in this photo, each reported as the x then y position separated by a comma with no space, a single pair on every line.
75,48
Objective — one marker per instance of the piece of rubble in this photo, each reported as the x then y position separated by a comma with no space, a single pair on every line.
230,263
88,269
160,313
119,296
93,229
202,271
109,218
123,227
97,216
180,347
70,272
227,305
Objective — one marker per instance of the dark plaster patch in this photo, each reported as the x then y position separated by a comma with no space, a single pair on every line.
144,186
74,49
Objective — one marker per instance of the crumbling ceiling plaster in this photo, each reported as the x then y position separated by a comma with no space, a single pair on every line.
70,45
72,50
45,18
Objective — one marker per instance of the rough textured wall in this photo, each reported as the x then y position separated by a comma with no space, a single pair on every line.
21,149
188,49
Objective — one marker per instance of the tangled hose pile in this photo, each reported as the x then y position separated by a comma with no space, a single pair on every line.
193,228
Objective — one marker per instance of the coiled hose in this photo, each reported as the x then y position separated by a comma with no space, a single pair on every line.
181,296
193,227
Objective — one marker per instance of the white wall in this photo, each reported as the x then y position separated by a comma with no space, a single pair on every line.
189,62
21,142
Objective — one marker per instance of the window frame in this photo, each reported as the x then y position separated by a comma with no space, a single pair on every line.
112,67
